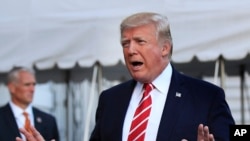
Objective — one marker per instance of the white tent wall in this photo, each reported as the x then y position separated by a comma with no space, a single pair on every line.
75,50
240,107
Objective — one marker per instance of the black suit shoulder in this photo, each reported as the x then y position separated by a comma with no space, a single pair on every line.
42,113
126,84
116,94
46,124
197,84
8,126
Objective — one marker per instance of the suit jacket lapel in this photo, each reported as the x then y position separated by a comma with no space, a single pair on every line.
37,120
171,109
11,121
123,100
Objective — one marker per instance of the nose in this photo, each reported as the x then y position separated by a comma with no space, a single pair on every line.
32,87
132,49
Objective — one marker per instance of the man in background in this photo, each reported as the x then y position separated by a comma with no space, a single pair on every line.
19,112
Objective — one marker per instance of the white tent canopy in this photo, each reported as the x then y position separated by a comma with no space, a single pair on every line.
64,33
204,32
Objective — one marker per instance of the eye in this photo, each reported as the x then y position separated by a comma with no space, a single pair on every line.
141,42
125,44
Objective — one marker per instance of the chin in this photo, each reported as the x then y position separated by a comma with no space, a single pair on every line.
140,78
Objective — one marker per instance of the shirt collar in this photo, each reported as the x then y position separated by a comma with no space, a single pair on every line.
19,111
162,82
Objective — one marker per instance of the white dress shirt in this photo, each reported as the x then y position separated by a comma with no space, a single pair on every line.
159,95
20,118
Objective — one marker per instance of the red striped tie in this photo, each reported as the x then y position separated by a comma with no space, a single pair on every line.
138,126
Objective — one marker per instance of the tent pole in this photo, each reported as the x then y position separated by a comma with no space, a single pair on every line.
216,70
222,72
68,105
100,77
242,82
91,102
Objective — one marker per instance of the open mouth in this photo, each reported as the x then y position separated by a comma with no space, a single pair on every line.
137,63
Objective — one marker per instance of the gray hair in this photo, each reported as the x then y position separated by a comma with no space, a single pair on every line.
161,23
13,74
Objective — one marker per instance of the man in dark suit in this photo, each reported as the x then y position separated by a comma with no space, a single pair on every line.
181,107
21,85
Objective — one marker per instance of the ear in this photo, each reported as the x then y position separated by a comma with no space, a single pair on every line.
166,48
11,87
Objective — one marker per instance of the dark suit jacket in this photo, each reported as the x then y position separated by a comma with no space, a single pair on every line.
200,102
44,123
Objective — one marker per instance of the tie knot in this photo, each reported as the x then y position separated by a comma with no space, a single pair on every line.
148,87
25,114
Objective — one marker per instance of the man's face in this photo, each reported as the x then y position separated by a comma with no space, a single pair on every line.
22,90
145,57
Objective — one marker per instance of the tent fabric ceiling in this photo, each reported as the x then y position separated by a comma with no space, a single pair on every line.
47,33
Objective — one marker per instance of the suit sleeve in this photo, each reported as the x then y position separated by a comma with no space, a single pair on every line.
220,117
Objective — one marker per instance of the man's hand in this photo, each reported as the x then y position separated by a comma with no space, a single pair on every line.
203,134
33,136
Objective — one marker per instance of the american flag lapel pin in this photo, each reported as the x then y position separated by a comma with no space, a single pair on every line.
178,94
39,119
